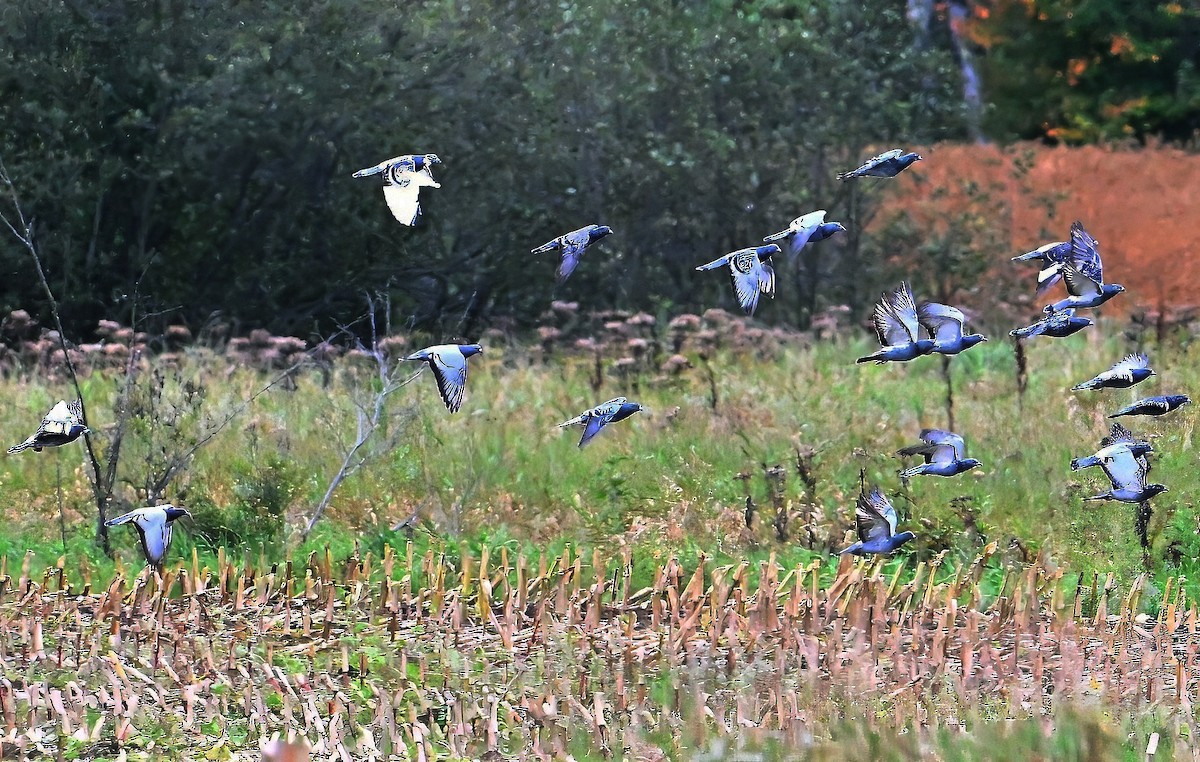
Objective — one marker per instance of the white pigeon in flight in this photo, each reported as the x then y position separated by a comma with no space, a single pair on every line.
403,178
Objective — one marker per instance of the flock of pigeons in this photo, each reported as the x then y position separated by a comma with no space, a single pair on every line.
899,323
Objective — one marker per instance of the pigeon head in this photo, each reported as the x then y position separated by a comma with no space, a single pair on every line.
969,463
972,339
1154,489
901,538
598,232
1112,288
470,349
431,158
174,512
769,250
1178,399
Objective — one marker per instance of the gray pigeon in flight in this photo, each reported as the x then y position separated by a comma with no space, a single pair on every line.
805,229
572,245
887,164
944,453
751,272
153,523
449,364
945,325
62,425
875,522
403,178
1056,324
1082,249
897,326
1134,369
616,409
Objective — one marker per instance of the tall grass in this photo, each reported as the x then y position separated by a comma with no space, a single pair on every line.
673,480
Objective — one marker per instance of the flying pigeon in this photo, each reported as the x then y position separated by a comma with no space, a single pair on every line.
617,409
809,228
1082,249
875,520
63,424
944,454
945,325
449,363
896,323
1119,439
1127,473
1084,291
403,178
153,523
1155,406
1057,324
887,164
572,245
1134,369
751,272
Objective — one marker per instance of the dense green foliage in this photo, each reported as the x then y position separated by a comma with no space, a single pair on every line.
1083,70
184,160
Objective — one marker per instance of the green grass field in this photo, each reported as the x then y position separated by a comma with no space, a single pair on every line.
782,420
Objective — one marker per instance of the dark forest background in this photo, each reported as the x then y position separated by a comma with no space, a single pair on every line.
189,162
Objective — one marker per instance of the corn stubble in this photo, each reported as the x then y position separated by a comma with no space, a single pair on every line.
405,657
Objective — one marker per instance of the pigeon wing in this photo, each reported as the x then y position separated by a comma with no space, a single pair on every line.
944,323
1118,434
570,260
875,161
1122,469
891,331
904,307
1124,369
1085,253
1079,284
750,284
874,516
404,201
450,370
950,446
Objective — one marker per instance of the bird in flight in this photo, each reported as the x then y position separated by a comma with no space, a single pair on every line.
875,522
944,453
751,271
153,523
898,328
887,164
808,228
616,409
62,425
403,178
572,245
449,364
1134,369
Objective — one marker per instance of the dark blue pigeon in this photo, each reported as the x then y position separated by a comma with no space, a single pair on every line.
945,325
1127,473
1056,324
449,364
1119,439
1155,406
572,245
617,409
875,521
944,454
1082,249
887,164
403,178
809,228
1134,369
751,272
896,324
